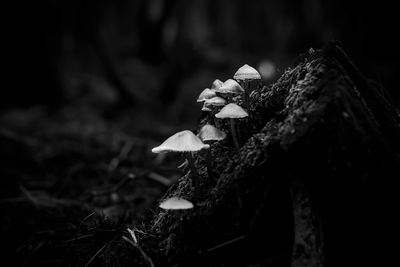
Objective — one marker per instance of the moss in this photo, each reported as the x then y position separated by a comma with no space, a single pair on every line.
225,208
296,131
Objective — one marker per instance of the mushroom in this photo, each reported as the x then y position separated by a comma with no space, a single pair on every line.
230,86
175,204
216,84
245,75
186,142
232,111
216,101
209,133
206,94
246,72
212,104
205,108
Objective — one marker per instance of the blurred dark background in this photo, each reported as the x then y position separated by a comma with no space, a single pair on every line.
90,86
157,55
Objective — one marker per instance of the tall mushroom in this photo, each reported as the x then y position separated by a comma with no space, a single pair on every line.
185,142
232,111
245,75
209,133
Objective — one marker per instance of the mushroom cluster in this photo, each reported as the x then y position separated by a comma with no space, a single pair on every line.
222,102
223,99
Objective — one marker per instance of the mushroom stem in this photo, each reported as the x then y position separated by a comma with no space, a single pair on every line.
246,87
195,175
212,113
234,135
216,122
208,163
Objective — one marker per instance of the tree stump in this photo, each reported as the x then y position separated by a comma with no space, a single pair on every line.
316,182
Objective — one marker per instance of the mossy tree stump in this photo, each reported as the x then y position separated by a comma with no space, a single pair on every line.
316,182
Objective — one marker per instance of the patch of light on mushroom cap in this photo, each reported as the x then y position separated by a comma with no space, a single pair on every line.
184,141
232,111
206,94
210,133
230,86
176,203
247,72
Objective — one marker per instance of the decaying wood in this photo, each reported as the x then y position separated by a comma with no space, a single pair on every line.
322,127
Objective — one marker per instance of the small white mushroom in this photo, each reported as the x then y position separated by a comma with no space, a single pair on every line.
176,203
232,111
206,94
216,101
205,108
216,84
211,105
230,87
185,142
209,133
245,75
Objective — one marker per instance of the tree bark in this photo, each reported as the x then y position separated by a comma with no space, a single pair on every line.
328,131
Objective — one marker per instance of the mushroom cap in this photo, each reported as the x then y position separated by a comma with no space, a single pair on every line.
216,101
206,94
216,84
210,133
205,107
230,86
184,141
232,111
247,72
176,203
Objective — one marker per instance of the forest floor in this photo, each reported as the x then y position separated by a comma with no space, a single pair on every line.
73,182
75,179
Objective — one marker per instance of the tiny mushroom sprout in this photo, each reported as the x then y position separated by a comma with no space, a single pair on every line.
209,133
245,75
176,203
232,111
185,142
206,94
